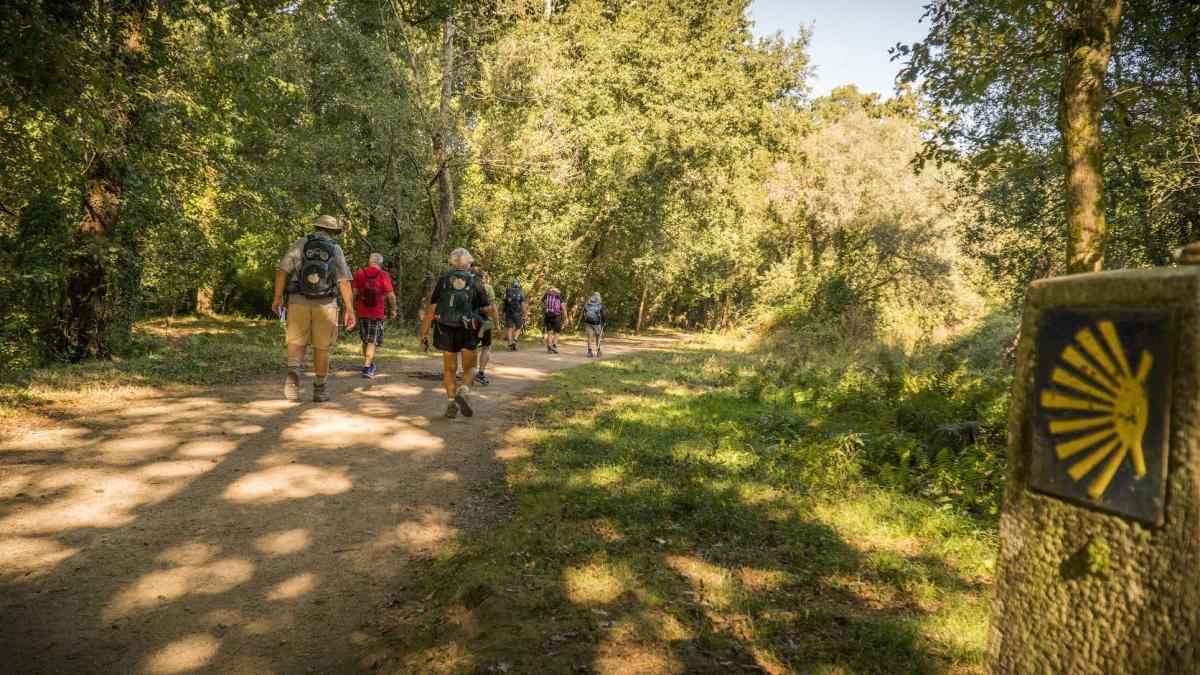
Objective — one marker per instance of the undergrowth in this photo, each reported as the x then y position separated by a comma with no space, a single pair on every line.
706,509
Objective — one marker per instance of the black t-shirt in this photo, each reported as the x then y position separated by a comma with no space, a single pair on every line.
443,286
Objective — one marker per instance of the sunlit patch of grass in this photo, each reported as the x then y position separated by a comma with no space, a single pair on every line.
174,350
691,506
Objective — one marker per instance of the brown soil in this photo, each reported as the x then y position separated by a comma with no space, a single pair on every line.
229,530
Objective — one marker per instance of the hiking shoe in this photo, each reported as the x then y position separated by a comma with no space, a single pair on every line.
451,410
366,371
371,371
291,386
461,399
599,353
554,350
589,353
482,379
512,346
319,394
549,349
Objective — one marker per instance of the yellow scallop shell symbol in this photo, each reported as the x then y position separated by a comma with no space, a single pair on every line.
1107,404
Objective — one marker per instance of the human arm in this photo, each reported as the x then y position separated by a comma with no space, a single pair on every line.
391,304
424,334
280,282
288,264
348,300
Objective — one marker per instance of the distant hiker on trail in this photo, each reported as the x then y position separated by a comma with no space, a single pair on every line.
372,287
516,307
552,315
487,325
593,322
453,313
313,271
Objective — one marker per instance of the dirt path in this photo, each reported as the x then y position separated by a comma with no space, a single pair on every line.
228,530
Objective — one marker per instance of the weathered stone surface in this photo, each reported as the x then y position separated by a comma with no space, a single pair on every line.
1082,591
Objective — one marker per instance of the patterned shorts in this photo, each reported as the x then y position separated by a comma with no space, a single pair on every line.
371,330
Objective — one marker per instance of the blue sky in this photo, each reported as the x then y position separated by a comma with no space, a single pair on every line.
850,37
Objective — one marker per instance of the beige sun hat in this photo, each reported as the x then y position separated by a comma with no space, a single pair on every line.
328,223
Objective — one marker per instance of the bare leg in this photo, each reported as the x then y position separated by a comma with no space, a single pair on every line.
368,353
485,355
296,353
449,370
468,364
321,362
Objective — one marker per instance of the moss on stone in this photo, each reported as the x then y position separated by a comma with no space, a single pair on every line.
1082,591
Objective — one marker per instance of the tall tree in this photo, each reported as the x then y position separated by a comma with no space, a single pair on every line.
91,295
1005,67
443,216
1089,33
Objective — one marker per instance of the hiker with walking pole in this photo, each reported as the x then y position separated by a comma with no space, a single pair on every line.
314,272
372,288
593,322
453,315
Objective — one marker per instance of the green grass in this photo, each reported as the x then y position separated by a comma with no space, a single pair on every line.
172,351
704,509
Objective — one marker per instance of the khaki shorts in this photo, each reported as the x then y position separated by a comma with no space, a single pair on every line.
596,329
315,325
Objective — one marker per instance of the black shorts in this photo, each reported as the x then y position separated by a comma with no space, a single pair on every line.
486,340
553,322
514,321
453,338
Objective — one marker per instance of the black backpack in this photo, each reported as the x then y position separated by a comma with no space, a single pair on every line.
317,277
513,298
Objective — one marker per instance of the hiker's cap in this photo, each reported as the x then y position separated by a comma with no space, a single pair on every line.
516,284
328,223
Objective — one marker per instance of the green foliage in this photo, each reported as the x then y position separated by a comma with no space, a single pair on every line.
994,67
704,505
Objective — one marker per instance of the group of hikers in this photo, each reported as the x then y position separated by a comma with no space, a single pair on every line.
461,316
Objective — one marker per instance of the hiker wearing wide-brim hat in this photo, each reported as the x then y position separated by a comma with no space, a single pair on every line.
314,272
327,223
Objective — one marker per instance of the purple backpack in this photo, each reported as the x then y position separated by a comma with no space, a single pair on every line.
552,305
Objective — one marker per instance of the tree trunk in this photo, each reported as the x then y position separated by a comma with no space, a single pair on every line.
1088,46
445,211
91,299
641,309
204,299
549,8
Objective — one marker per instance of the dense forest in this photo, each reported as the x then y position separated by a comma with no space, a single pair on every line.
157,157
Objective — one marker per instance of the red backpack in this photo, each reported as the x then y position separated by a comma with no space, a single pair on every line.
370,292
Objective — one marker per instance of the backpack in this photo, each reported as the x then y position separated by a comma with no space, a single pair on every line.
591,313
317,278
512,300
369,294
552,305
457,304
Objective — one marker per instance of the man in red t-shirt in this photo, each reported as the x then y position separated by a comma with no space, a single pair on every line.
372,287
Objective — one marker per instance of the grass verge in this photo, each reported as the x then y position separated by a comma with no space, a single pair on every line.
175,351
706,509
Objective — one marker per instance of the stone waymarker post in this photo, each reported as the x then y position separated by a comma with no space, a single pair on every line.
1099,565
